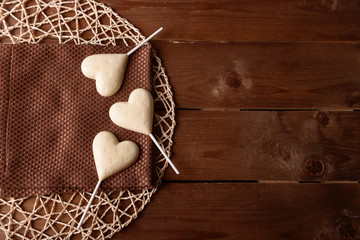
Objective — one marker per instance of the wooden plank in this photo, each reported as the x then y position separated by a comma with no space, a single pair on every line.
290,75
242,20
246,210
249,211
266,145
268,75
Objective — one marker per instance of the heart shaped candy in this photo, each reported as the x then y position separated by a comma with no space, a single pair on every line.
111,156
136,114
107,69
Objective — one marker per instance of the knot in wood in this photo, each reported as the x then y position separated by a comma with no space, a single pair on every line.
332,4
347,230
233,80
314,167
322,118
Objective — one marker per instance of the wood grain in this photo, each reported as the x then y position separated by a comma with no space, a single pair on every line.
267,75
223,56
249,211
266,145
241,20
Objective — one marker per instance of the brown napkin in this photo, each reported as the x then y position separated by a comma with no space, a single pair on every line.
50,113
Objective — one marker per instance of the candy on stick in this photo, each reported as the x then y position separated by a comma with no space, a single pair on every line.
109,69
137,115
110,157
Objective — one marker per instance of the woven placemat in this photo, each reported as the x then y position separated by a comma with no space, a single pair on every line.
56,216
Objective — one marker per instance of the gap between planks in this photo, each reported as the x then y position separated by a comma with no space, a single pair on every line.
265,109
175,41
261,181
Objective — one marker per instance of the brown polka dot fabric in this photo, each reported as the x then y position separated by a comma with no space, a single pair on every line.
50,113
5,62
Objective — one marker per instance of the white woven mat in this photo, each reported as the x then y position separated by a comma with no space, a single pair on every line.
56,216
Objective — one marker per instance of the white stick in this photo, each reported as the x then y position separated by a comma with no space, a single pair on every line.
163,153
89,203
143,42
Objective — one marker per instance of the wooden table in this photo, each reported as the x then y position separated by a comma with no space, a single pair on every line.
267,107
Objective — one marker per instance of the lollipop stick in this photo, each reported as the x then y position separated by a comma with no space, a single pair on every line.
89,203
163,153
143,42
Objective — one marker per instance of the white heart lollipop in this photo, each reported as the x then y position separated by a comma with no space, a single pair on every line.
110,157
108,70
137,115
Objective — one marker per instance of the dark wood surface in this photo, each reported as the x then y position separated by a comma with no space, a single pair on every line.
267,100
267,107
266,145
242,20
249,211
263,75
